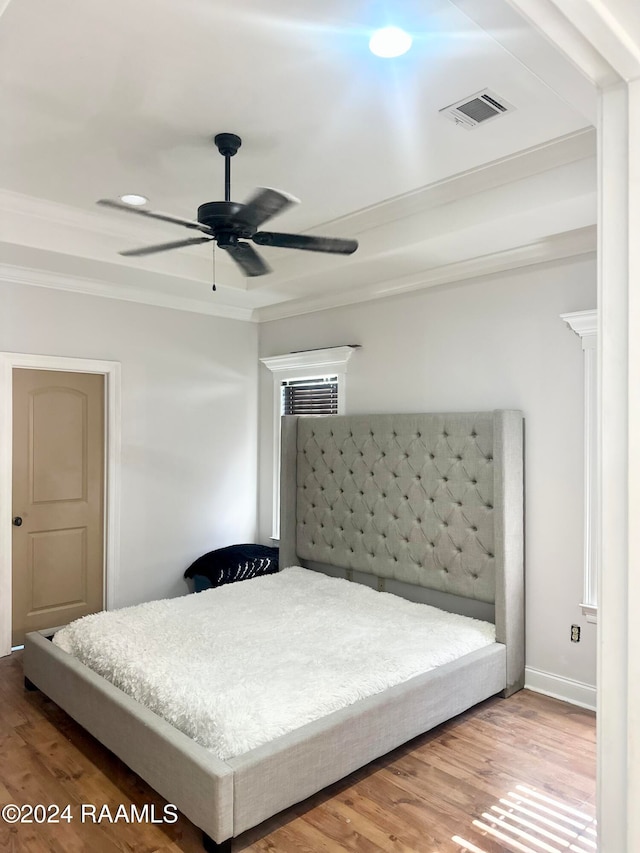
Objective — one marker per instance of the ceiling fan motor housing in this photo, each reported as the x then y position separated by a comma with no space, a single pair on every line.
225,218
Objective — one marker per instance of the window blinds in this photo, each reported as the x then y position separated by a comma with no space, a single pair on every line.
310,396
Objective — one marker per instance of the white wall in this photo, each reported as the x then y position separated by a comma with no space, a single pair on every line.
484,344
189,424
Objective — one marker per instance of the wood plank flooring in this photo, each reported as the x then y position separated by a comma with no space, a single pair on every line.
514,775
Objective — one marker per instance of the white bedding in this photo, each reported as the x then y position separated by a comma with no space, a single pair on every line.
242,664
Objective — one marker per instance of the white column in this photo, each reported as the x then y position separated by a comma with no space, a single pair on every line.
603,39
633,464
616,811
584,324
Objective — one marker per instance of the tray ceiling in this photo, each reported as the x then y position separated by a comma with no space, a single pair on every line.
106,97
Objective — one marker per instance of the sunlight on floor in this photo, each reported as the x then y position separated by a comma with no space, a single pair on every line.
527,821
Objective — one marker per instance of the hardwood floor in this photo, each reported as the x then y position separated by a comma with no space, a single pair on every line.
529,756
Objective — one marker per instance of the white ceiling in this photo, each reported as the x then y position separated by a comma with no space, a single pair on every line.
104,97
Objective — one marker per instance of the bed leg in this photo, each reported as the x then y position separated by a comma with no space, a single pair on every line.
29,685
510,689
212,846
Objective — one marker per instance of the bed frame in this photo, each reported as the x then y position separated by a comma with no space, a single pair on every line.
429,506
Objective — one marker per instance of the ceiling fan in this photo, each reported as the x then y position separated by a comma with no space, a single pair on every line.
230,223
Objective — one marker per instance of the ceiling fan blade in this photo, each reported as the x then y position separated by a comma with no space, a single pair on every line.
266,203
164,247
150,214
334,245
247,258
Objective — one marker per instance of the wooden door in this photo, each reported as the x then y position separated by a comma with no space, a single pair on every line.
58,498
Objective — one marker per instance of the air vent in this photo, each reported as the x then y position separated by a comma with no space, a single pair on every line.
476,109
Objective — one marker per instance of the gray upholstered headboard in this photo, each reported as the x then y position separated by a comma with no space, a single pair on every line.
431,500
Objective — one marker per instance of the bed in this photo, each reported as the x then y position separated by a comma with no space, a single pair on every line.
428,507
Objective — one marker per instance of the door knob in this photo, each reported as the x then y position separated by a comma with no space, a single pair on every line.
17,521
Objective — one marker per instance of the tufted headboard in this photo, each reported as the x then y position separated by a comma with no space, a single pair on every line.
430,500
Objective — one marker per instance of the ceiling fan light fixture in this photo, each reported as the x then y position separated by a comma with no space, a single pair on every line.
133,199
389,42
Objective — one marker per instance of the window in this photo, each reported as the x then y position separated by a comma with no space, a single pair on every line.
584,324
317,396
304,383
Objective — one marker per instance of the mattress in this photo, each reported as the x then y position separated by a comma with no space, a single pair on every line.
237,666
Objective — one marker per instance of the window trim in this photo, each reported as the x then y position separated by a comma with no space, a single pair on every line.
585,325
308,364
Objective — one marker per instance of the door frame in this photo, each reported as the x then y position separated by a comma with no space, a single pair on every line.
111,372
602,40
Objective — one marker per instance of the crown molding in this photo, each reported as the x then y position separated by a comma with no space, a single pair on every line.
563,26
94,287
328,360
556,248
579,145
471,197
97,221
266,300
583,323
570,148
598,26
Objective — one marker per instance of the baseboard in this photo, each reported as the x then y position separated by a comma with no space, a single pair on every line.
575,692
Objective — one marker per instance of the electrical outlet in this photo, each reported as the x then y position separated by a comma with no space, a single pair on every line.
575,633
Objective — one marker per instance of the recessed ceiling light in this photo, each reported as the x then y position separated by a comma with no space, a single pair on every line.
135,200
389,42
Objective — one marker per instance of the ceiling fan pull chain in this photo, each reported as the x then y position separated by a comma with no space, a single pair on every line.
213,271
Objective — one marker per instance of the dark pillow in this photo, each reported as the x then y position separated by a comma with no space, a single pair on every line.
233,563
